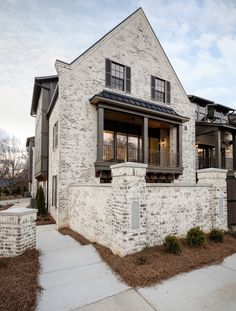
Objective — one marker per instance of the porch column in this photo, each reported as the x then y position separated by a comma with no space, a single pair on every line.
100,121
179,144
218,149
145,140
234,150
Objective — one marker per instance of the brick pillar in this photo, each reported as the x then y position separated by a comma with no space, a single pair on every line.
216,178
17,231
128,204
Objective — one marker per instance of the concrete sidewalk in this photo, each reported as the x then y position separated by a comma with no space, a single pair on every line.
72,275
22,202
75,278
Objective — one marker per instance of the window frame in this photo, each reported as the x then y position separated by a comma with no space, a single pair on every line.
161,87
110,76
116,78
54,191
55,136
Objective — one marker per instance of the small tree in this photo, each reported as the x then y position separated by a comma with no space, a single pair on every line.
40,202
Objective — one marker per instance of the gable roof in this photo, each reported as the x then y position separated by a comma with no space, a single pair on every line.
38,84
121,24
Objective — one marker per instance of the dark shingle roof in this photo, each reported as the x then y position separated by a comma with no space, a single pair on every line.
136,102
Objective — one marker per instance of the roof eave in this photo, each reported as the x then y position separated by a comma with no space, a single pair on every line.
53,101
97,99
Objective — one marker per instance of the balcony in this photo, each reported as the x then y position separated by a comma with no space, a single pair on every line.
226,163
131,154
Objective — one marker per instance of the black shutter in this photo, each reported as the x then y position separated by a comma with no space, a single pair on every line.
153,91
108,72
167,92
128,79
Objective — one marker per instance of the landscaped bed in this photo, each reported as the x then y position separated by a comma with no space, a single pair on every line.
19,282
4,207
154,264
45,220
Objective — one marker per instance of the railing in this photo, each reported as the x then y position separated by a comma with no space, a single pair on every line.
163,159
226,163
130,154
122,154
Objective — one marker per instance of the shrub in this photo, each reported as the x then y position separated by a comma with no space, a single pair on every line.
233,234
142,260
196,237
40,202
216,235
172,244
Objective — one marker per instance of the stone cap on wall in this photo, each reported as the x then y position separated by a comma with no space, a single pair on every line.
129,164
129,169
212,170
211,174
18,211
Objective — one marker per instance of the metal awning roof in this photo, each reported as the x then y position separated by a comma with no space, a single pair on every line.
136,104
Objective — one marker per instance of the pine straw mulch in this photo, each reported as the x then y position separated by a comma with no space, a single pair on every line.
19,282
45,220
154,264
78,237
4,207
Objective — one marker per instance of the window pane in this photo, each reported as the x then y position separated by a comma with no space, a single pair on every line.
117,79
121,147
133,151
108,149
160,90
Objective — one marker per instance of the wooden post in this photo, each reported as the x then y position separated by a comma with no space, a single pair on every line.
145,140
100,128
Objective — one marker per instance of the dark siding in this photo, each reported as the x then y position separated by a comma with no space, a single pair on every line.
153,93
108,73
167,92
128,79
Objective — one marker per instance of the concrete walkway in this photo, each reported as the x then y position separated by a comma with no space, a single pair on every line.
75,278
22,202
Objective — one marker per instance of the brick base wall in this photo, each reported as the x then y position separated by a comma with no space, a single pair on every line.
17,231
130,214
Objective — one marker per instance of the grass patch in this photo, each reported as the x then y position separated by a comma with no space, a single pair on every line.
19,281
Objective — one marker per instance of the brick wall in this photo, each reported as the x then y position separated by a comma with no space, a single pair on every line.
129,214
17,231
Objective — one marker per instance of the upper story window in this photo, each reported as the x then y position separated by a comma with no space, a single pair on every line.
160,90
118,76
55,135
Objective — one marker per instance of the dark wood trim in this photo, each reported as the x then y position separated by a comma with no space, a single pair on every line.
100,128
96,100
145,140
133,111
234,150
218,150
180,143
105,166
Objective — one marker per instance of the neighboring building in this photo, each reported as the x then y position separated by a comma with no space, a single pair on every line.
215,135
42,95
120,130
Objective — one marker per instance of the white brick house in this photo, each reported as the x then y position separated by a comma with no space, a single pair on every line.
121,145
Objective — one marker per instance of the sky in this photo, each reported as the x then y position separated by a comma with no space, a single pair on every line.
198,36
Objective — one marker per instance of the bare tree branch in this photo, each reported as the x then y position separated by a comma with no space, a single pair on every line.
12,161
